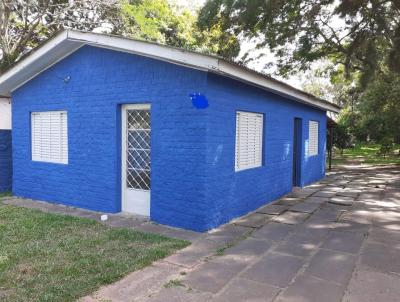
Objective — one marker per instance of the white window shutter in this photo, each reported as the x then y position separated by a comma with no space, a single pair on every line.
313,138
50,136
249,140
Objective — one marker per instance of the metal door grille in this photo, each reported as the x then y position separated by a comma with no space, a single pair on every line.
138,149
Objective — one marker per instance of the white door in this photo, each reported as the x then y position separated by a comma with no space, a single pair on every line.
136,159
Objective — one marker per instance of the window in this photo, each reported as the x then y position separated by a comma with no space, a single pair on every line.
312,138
50,136
249,137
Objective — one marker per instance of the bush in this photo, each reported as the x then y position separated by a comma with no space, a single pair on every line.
386,146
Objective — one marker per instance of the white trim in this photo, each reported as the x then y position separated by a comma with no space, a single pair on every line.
5,113
249,140
313,138
69,41
146,49
43,150
274,86
124,108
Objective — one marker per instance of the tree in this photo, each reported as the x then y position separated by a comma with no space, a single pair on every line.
25,24
159,21
379,108
357,34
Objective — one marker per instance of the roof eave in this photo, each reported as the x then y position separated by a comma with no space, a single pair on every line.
68,41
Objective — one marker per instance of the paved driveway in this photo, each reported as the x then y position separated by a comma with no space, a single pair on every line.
337,240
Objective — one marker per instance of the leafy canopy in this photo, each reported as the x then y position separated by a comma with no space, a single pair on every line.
159,21
25,24
354,33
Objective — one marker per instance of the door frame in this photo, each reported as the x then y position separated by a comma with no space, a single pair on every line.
124,108
297,151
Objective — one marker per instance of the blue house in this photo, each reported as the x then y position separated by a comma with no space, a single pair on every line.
190,140
5,145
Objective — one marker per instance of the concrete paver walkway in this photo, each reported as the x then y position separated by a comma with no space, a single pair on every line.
337,240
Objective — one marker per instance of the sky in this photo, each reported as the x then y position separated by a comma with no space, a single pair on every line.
247,46
259,64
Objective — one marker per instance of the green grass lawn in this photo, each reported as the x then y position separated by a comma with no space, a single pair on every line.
50,257
368,154
5,194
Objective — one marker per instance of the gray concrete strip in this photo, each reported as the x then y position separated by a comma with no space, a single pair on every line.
332,266
300,257
344,242
136,286
272,209
384,236
179,294
342,200
288,201
381,257
305,207
307,288
373,286
242,290
195,253
212,276
273,231
253,220
296,249
324,193
274,269
291,217
247,250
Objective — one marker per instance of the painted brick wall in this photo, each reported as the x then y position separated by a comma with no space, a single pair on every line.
194,185
5,160
233,194
102,80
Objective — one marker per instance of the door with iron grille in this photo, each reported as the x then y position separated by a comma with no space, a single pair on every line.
136,159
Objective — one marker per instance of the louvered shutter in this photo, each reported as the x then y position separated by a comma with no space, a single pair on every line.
50,136
249,137
313,138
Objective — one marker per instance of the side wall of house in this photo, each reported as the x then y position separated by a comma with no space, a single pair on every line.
5,145
5,161
5,113
91,85
233,194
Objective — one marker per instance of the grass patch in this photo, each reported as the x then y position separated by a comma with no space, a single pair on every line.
5,194
368,154
221,250
174,283
50,257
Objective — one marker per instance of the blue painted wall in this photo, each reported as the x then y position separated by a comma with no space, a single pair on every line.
194,185
102,80
5,161
233,194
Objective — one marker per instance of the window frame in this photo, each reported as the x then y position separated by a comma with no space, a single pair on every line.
260,162
309,138
63,158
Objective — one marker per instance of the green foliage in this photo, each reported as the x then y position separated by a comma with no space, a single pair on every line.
25,26
369,154
379,108
159,21
357,34
386,146
341,137
49,257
